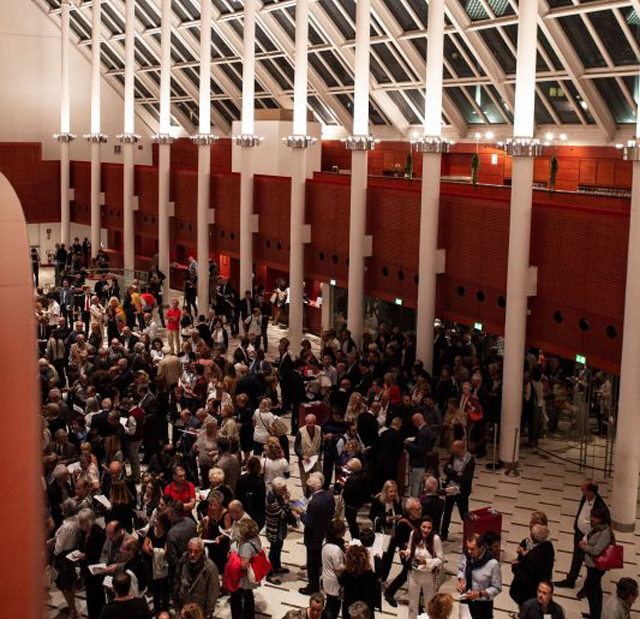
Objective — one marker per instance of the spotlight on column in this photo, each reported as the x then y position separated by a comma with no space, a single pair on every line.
64,137
549,136
101,138
299,141
162,138
248,140
332,282
128,138
430,144
631,151
398,301
523,147
204,139
360,142
489,135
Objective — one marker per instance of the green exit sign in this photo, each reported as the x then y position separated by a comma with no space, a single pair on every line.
581,359
477,326
398,301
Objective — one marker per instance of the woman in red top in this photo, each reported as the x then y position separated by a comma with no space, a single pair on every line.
173,326
181,490
391,388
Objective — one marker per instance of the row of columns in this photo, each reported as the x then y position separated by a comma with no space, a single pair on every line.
523,147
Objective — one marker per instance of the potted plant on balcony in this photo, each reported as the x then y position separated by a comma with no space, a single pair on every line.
475,165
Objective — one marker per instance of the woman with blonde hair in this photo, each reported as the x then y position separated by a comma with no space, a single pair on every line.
228,426
386,508
274,464
354,407
263,420
247,546
206,447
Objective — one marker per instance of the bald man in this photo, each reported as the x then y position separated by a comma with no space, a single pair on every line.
418,449
458,473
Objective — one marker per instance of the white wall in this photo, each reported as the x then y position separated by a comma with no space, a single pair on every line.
273,157
45,236
30,87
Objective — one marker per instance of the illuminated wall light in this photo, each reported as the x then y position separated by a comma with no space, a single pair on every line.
477,136
398,301
548,136
494,159
563,137
477,326
332,282
489,135
619,146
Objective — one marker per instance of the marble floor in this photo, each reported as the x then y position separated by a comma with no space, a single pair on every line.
545,482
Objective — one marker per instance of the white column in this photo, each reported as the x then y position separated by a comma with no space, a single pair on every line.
164,140
204,157
129,139
65,136
95,137
359,143
299,142
431,147
627,448
247,141
523,149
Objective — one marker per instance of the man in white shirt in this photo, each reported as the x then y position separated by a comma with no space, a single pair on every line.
151,329
53,311
581,525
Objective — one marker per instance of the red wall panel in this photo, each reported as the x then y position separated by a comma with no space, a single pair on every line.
272,203
184,155
81,182
225,199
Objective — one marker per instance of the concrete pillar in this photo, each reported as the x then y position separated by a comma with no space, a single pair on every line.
21,584
247,141
204,140
65,136
627,448
523,149
359,143
128,140
164,140
431,146
95,137
299,142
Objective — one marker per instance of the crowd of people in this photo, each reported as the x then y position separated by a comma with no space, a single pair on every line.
167,453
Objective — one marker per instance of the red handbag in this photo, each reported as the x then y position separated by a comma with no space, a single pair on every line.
611,558
260,567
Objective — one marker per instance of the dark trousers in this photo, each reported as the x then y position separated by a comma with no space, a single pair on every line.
160,590
576,560
243,605
263,340
351,516
387,559
593,587
328,466
95,595
191,303
314,568
481,610
462,501
398,581
275,550
333,606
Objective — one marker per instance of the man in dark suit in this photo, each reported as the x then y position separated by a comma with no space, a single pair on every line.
83,302
432,503
66,300
246,309
319,514
418,449
285,369
240,354
458,473
128,339
581,525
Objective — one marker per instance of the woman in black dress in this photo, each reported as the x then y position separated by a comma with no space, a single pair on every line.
215,526
245,419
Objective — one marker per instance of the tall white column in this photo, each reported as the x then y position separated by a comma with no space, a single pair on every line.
431,146
65,136
95,137
247,142
360,142
523,148
299,142
164,140
204,140
627,448
128,140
